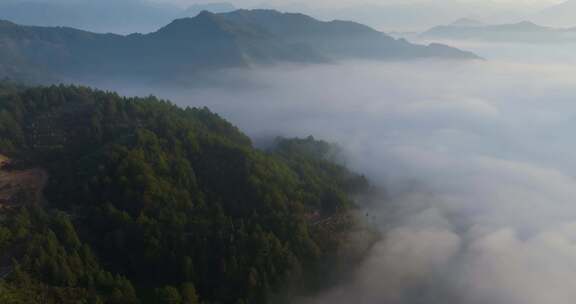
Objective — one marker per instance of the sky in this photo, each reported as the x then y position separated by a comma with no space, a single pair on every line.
343,3
383,15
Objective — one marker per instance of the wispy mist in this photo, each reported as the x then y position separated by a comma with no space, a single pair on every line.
477,157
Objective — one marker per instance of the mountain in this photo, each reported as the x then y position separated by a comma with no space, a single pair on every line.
340,39
215,7
146,202
208,41
416,15
525,31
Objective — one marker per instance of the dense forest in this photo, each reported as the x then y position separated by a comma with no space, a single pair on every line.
147,202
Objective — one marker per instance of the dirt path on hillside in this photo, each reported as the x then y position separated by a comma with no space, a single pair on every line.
20,187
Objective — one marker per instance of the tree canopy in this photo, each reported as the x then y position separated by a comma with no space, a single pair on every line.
151,203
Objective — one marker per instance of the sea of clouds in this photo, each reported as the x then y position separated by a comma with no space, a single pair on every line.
478,159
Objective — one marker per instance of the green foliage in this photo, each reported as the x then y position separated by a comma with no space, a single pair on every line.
54,266
189,295
168,295
159,204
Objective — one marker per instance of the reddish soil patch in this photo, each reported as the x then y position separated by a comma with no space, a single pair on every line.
20,187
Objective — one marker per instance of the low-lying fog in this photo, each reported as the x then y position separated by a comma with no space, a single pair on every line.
479,159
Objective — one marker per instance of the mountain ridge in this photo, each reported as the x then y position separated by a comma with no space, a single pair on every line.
524,31
208,41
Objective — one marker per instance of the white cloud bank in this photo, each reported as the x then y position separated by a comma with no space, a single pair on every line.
479,159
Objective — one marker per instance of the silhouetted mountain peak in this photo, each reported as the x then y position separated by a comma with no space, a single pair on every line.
300,28
525,26
204,24
208,24
206,14
204,18
268,18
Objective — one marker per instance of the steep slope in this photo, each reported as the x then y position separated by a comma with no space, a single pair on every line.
204,36
55,50
150,203
194,45
185,46
340,39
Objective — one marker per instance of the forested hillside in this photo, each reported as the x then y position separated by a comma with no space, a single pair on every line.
147,202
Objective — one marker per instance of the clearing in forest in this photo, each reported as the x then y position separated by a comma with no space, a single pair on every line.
20,186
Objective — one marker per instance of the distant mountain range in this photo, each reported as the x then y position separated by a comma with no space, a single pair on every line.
416,15
144,16
525,31
192,45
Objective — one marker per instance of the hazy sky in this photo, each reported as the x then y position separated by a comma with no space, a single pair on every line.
406,15
384,15
334,3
